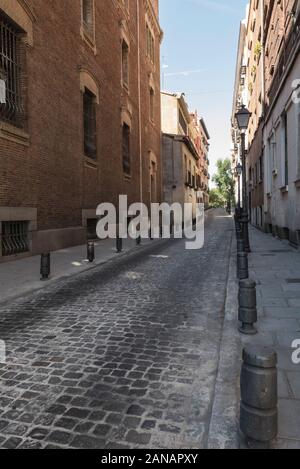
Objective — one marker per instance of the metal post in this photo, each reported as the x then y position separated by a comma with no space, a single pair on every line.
119,244
247,306
91,251
259,396
45,266
245,217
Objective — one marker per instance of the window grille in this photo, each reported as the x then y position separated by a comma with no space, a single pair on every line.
89,111
14,238
12,111
126,149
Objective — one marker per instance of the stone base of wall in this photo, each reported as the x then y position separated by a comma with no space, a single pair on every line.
284,233
54,240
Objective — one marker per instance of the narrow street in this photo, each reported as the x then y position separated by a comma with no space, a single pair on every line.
122,356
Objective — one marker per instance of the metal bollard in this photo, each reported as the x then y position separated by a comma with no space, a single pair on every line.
242,265
240,245
91,251
138,240
259,396
45,266
119,244
247,306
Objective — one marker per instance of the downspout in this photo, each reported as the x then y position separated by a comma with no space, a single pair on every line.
139,100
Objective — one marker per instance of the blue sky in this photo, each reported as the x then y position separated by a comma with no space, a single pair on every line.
200,38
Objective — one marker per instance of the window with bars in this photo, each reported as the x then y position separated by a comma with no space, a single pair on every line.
14,237
88,16
126,149
11,48
89,117
125,64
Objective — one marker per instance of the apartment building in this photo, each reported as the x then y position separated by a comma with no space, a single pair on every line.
184,152
267,77
80,117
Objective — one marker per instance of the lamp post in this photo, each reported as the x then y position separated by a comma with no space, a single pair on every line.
238,171
243,118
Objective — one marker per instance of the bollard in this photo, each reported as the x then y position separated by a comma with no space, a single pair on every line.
91,251
242,265
119,244
259,396
45,266
138,240
240,245
247,306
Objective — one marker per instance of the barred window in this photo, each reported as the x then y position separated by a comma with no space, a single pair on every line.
12,109
14,238
89,117
126,149
88,15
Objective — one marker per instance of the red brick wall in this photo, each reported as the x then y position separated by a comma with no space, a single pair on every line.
51,174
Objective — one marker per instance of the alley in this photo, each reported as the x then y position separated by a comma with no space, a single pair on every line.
123,356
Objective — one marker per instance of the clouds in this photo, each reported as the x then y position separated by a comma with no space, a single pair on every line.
216,6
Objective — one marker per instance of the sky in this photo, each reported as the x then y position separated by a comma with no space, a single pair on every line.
199,52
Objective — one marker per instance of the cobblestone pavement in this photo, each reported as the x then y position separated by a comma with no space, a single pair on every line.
122,356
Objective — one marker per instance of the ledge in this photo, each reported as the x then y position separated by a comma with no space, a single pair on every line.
297,183
284,189
13,134
90,163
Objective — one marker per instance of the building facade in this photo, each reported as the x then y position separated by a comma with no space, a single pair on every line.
79,117
185,144
268,80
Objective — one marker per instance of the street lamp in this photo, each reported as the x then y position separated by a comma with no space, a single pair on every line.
243,117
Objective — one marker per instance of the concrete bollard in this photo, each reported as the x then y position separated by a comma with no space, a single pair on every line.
91,251
247,306
45,266
119,244
259,396
242,265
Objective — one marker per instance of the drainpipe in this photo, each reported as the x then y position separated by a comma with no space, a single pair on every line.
139,100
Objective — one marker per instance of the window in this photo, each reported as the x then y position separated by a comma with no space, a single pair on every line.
14,239
88,16
126,149
125,64
89,115
11,54
152,104
150,44
286,156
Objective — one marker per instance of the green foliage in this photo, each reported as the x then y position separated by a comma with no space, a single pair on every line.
216,200
225,183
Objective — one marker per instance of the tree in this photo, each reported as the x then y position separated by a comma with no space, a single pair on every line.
225,182
216,200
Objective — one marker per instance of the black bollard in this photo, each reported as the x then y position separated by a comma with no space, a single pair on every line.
240,244
45,266
119,244
242,265
259,396
247,306
91,251
138,240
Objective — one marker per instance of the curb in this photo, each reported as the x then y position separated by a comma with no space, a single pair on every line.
224,426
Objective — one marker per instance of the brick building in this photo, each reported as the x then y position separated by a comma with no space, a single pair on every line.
80,122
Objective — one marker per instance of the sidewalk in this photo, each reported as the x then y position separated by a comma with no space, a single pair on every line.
23,275
275,266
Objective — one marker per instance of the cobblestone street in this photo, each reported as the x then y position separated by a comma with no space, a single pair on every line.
123,356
